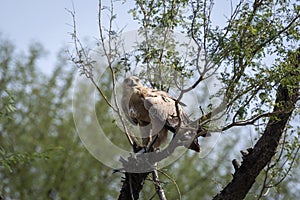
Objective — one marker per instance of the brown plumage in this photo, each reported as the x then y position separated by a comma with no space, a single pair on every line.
153,110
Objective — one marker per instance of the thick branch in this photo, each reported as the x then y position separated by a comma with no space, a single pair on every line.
138,166
263,151
265,148
132,186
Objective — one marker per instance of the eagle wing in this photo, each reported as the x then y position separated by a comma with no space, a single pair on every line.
154,111
164,115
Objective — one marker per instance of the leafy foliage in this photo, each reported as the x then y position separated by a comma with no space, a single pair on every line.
41,155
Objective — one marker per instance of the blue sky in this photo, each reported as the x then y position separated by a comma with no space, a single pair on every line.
46,21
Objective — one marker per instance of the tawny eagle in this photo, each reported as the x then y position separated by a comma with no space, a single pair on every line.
154,111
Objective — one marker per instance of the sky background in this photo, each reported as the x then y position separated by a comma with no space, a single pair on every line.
47,21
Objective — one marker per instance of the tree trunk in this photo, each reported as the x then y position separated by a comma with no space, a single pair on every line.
132,186
266,146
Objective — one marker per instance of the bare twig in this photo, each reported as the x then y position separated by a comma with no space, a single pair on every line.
109,60
159,189
174,182
83,62
253,119
145,31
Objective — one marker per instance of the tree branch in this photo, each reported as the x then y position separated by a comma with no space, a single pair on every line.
132,185
159,189
108,55
266,146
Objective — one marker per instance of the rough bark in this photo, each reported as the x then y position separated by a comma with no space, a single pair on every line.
132,185
266,146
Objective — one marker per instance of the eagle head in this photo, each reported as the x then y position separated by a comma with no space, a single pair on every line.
131,82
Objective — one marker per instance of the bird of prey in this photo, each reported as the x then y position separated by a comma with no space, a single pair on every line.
154,111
